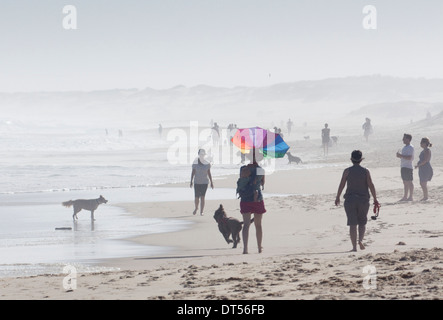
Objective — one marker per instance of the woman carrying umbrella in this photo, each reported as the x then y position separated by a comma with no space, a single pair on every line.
251,200
252,176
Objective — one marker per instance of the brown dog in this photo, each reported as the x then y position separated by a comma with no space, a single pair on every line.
90,205
228,226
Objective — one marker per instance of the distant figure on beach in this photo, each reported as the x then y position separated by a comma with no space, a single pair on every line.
278,131
359,183
428,115
251,199
232,129
160,129
425,171
201,176
289,125
325,139
215,134
367,127
407,157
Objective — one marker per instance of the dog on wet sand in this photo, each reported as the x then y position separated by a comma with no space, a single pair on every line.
89,205
292,158
228,226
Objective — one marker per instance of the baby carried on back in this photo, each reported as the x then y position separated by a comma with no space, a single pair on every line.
249,183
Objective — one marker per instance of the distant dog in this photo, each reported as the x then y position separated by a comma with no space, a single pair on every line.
292,158
228,226
334,139
90,205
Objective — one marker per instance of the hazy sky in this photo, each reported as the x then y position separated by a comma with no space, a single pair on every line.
163,43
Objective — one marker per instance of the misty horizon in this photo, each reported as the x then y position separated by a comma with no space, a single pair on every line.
180,85
381,97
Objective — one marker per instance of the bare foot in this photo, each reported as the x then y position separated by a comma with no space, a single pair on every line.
362,247
195,211
260,250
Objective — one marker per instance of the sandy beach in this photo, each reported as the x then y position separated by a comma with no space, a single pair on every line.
117,99
306,246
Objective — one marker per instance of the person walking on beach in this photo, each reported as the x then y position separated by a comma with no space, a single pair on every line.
367,127
359,183
425,171
407,157
215,134
251,201
289,125
325,138
201,175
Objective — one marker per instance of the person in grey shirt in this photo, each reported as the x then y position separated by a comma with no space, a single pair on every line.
359,183
201,176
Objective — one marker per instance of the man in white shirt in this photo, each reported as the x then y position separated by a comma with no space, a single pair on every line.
407,157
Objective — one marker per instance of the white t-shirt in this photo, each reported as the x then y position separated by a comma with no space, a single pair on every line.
407,151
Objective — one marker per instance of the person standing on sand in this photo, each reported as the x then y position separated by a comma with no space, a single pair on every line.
359,183
325,138
425,171
367,127
407,156
251,202
289,125
201,171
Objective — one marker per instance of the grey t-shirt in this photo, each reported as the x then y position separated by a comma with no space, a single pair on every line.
357,184
201,173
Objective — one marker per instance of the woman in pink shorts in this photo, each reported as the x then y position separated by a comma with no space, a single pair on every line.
251,202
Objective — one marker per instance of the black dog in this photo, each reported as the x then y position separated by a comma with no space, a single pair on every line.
292,158
228,226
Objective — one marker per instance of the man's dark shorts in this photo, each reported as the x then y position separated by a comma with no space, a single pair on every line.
407,174
357,212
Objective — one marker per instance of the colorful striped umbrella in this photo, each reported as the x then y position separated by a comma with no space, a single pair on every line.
269,143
